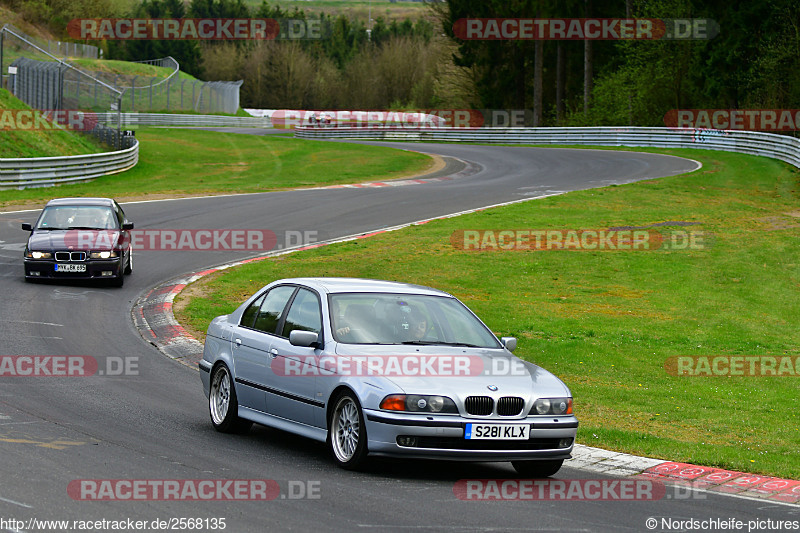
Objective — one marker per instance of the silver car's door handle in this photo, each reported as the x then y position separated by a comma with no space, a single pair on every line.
238,342
273,353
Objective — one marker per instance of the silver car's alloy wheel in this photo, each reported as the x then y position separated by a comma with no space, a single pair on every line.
219,399
346,428
222,404
347,433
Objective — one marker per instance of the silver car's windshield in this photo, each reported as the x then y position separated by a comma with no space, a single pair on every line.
379,318
77,217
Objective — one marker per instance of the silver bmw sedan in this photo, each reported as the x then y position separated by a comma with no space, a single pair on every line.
379,368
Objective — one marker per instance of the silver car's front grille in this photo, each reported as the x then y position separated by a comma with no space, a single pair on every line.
70,256
479,405
510,406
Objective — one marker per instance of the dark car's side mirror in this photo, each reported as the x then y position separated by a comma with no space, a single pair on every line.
26,226
298,337
127,226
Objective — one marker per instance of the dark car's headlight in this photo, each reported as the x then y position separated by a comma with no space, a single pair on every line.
38,255
419,404
103,255
552,406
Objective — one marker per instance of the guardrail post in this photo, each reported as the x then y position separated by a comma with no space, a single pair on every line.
151,92
2,72
133,94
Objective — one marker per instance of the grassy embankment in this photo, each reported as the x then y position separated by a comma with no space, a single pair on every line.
42,142
182,162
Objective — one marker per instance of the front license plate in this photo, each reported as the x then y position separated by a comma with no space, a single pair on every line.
497,431
70,268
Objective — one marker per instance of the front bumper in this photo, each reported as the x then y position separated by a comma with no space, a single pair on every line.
45,269
442,437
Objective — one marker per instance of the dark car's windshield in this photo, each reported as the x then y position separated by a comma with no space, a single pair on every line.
77,217
378,318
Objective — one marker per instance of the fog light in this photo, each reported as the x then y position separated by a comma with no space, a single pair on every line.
564,443
407,441
107,273
35,273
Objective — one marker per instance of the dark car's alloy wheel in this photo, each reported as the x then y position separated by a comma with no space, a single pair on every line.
222,404
347,436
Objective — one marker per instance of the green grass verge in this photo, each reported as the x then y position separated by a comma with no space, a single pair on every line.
606,322
174,161
41,143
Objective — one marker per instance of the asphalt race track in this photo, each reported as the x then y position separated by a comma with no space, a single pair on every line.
153,423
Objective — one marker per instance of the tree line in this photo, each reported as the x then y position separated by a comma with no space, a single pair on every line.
751,63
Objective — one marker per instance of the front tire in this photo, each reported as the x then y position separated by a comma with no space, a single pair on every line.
537,469
222,404
347,434
129,266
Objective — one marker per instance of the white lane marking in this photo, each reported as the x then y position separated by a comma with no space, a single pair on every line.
16,503
34,322
36,337
440,527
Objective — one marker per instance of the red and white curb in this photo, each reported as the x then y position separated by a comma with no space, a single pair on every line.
699,478
153,317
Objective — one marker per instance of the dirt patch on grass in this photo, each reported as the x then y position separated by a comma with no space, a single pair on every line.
199,289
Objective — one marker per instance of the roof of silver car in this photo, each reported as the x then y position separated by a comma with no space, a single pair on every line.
338,285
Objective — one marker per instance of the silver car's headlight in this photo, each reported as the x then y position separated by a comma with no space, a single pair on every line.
419,404
552,406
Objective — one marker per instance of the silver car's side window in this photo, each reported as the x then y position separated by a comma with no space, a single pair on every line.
249,315
272,309
304,314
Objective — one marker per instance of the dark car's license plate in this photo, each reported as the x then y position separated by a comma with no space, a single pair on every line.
70,268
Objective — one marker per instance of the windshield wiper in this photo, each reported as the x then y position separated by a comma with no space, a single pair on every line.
441,343
86,227
48,228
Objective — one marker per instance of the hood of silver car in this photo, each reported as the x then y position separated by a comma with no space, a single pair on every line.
455,371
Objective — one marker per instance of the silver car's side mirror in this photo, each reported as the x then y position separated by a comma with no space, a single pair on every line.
510,343
298,337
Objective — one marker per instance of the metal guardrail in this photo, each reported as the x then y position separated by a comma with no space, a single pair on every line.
747,142
20,173
169,119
